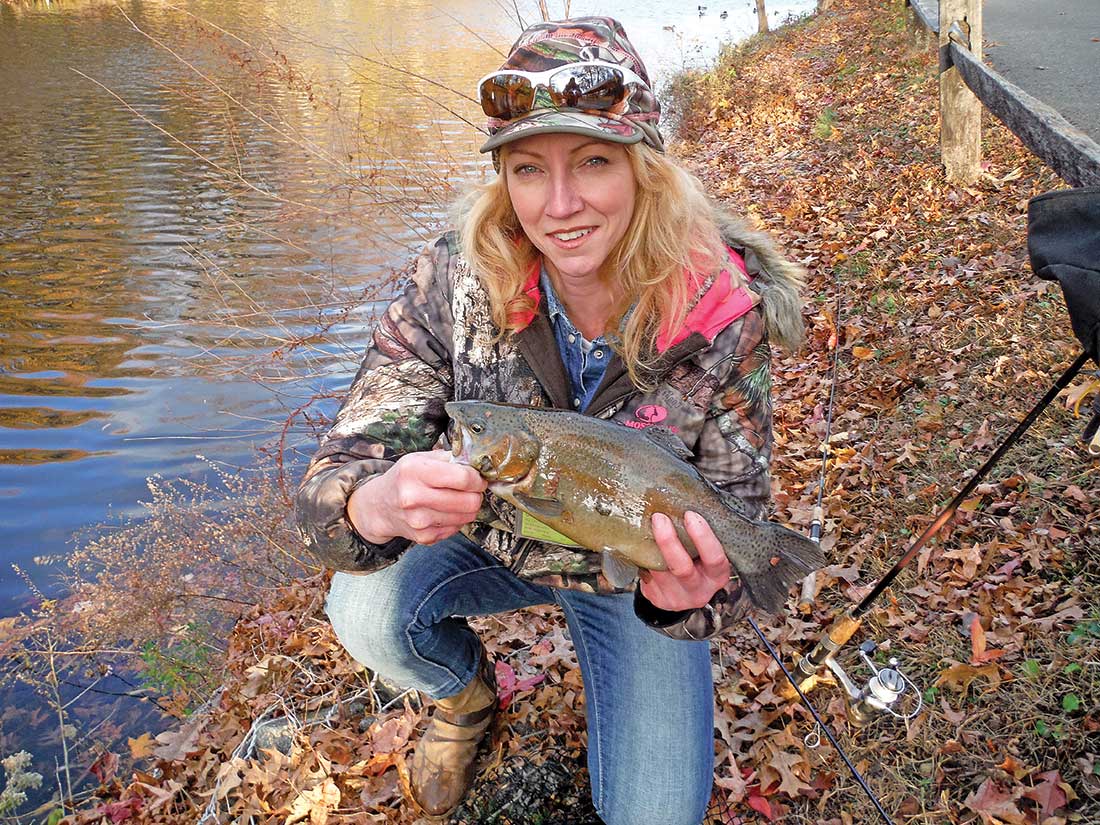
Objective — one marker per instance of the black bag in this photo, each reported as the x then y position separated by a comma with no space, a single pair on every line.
1063,240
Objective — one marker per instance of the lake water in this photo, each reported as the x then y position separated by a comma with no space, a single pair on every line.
184,189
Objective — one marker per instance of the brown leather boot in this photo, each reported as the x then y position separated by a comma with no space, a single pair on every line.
442,766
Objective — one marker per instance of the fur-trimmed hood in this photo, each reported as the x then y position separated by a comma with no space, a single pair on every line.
779,281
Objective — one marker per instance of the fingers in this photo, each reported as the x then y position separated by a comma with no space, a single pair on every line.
688,582
433,534
444,501
425,518
679,563
427,498
712,557
435,469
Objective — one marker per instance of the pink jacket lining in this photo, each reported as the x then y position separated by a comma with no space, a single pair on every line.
720,306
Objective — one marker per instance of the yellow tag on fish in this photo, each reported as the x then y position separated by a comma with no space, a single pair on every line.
531,528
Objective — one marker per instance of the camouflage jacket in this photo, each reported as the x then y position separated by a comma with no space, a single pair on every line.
436,343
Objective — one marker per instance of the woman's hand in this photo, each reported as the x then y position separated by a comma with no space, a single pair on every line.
688,583
423,497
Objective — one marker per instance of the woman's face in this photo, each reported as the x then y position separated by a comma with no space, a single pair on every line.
574,197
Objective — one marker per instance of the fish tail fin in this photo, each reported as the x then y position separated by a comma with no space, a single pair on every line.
788,558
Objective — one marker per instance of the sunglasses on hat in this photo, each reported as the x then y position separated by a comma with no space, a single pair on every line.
507,94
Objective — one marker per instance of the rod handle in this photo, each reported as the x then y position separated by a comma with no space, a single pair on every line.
840,631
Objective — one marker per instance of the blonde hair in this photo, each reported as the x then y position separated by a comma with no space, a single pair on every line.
672,233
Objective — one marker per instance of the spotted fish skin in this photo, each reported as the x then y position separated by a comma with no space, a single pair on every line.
599,483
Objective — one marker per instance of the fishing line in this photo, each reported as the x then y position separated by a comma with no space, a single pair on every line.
821,724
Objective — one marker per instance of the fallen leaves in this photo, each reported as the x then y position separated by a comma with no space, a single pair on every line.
978,652
971,558
177,745
943,342
314,804
993,804
1051,794
863,353
959,677
141,747
509,686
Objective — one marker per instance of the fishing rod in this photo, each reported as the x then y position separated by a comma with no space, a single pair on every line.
821,725
887,685
881,678
809,584
845,625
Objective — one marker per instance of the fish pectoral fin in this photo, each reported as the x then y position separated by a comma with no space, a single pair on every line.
619,573
666,439
540,507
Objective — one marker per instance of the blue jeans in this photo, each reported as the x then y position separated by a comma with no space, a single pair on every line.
649,699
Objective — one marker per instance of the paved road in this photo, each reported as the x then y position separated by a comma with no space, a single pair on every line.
1051,50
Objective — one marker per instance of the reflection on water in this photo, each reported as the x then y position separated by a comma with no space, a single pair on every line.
183,192
186,195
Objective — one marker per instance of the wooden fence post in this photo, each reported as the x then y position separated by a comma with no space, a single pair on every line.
960,109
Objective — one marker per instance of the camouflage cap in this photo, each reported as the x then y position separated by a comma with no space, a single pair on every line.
558,43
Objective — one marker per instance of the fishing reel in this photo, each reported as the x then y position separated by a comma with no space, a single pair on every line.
881,692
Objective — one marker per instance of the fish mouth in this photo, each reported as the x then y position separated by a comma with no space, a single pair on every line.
460,445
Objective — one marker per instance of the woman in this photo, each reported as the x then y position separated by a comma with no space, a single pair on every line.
591,273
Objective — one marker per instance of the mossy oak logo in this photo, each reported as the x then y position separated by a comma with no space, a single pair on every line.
647,416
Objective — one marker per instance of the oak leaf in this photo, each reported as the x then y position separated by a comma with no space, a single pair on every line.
105,767
176,745
392,735
508,685
970,557
1049,794
379,791
314,804
990,801
1012,766
785,764
121,811
978,653
161,796
141,747
959,677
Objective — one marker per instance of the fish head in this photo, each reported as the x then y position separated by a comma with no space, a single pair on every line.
493,439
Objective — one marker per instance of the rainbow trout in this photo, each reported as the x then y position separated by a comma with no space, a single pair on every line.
598,483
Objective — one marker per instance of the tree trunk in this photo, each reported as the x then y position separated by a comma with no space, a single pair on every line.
761,17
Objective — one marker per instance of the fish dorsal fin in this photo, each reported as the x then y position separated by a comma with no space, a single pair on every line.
666,439
734,504
619,573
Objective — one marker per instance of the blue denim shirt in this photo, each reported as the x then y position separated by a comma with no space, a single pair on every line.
585,361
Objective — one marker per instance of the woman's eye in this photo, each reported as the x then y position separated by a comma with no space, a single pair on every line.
525,169
596,161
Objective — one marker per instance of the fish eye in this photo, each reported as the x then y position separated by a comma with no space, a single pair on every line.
477,428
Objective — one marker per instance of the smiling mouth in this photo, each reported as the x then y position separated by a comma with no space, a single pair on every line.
573,235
